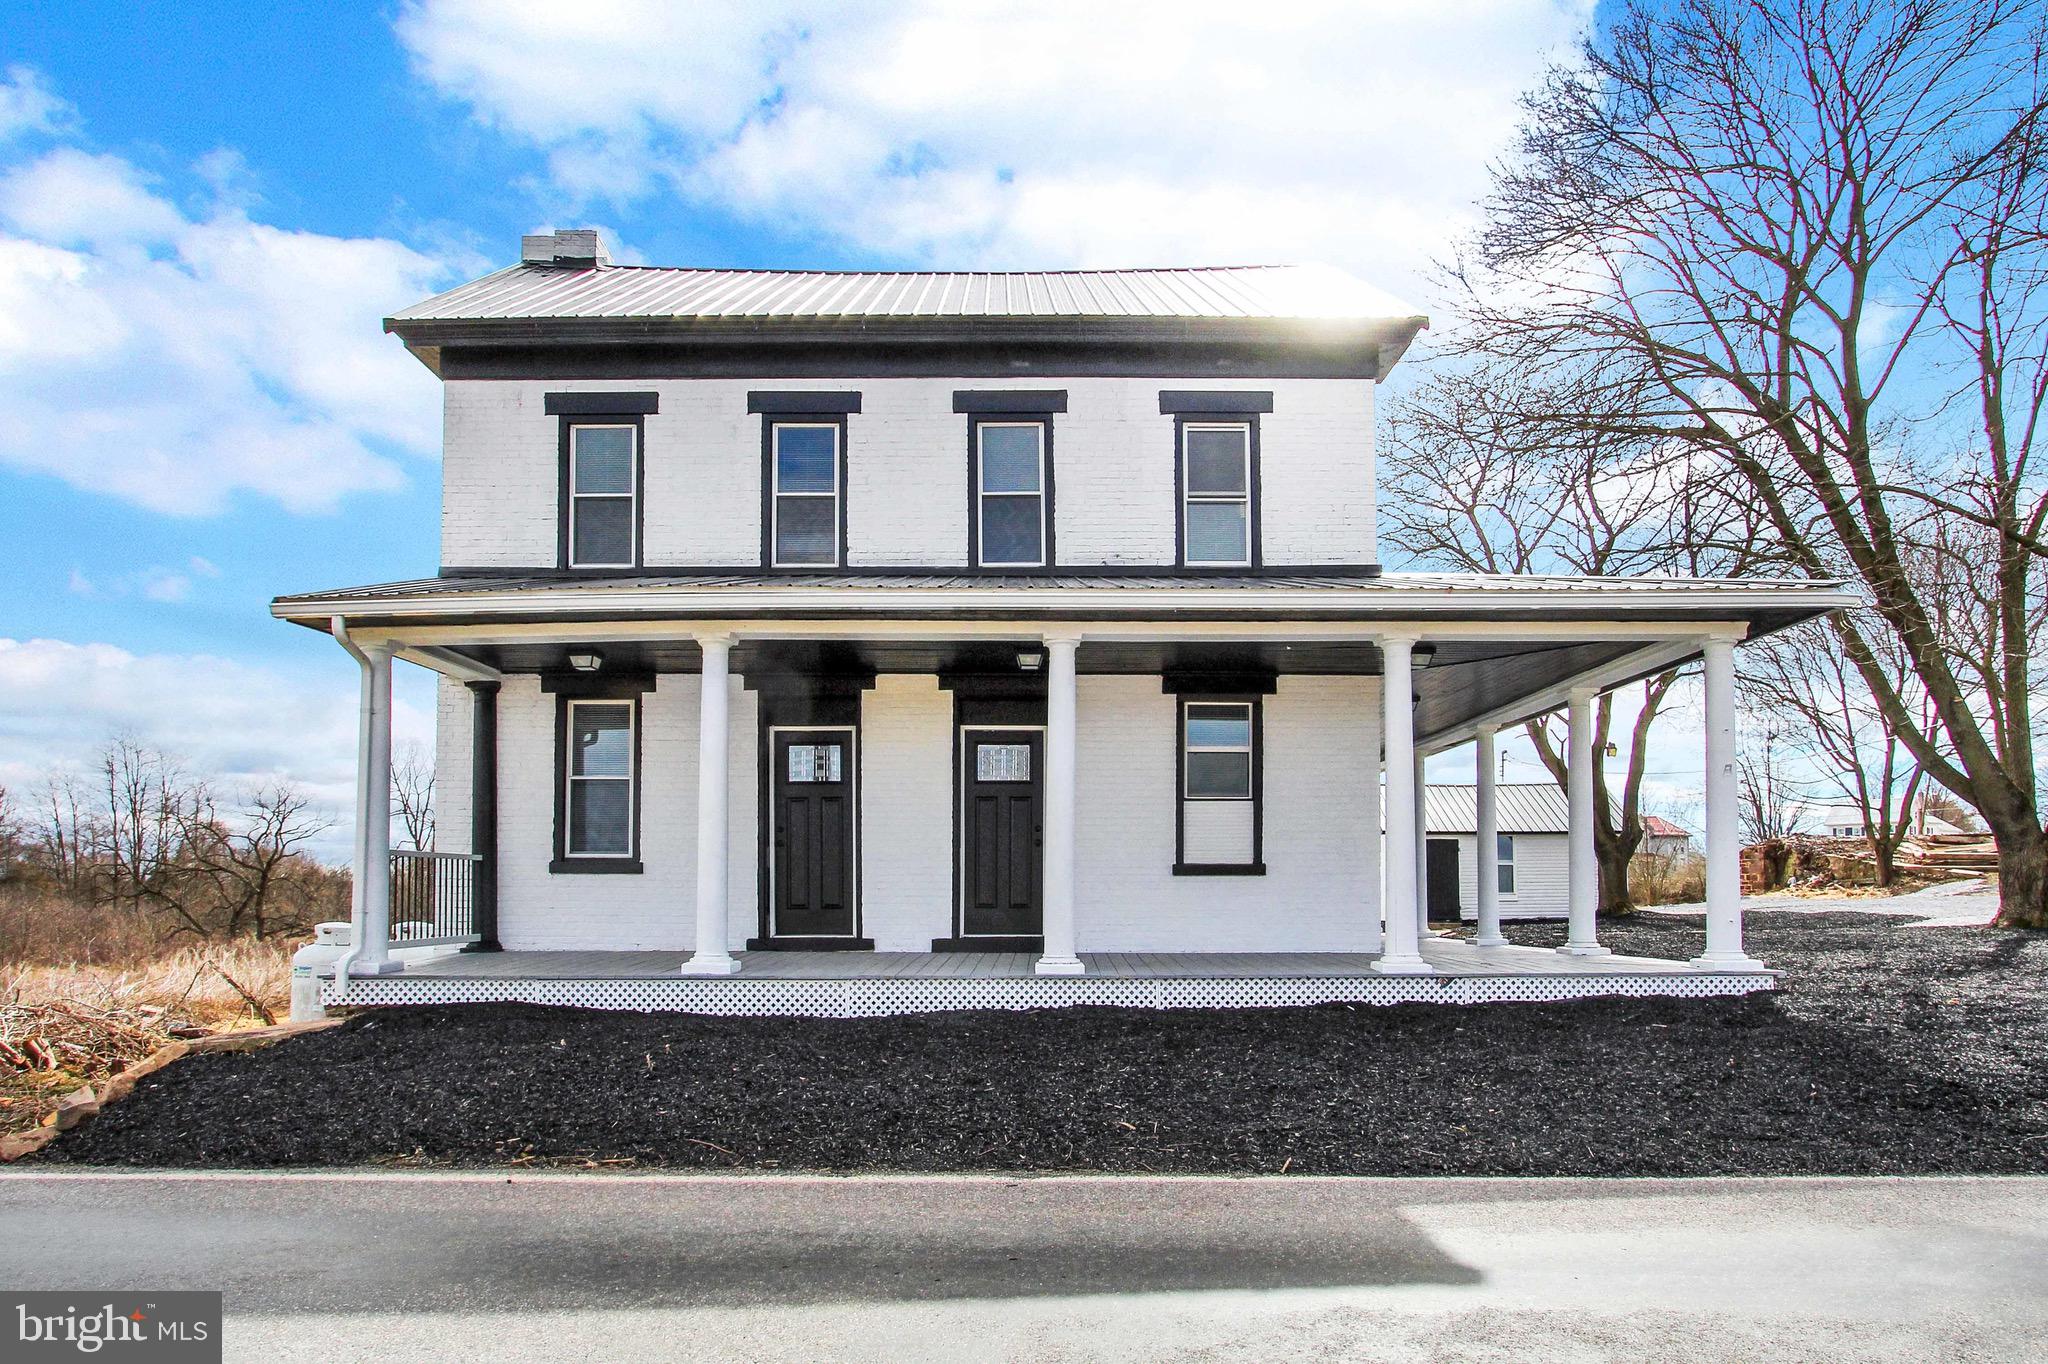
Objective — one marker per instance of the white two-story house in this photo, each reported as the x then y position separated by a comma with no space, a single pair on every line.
847,642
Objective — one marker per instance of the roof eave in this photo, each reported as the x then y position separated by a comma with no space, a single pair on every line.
1384,340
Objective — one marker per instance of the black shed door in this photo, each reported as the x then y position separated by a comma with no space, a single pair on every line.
1000,834
1441,866
814,851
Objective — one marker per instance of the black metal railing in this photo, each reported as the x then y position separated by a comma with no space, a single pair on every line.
433,897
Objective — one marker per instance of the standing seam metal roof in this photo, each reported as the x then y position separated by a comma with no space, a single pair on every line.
630,291
1519,808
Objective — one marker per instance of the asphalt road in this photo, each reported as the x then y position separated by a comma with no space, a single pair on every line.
480,1267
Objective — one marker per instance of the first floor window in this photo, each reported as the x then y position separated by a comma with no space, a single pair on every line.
1010,493
603,476
1216,482
805,505
1219,783
1504,866
600,775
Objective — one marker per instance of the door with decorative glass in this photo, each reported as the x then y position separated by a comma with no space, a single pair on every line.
812,859
1000,830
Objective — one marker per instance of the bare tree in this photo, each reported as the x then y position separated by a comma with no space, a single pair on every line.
67,836
1765,803
147,803
1816,700
1482,474
234,871
412,795
1808,236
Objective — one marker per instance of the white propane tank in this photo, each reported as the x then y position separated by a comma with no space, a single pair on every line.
312,961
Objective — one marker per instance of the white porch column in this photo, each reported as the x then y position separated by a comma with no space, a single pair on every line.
1724,870
1582,879
373,838
714,822
1403,954
1060,780
1421,844
1486,842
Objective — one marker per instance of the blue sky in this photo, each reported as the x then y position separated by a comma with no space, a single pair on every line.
206,209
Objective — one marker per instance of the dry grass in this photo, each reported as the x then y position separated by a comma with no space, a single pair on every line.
196,984
1654,880
85,991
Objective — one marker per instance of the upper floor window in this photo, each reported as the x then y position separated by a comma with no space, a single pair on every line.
803,476
1216,493
1010,493
804,507
602,434
603,484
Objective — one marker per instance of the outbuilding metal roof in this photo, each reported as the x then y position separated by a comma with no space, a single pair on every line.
1537,807
530,291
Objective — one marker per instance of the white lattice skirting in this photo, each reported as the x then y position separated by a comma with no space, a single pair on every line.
873,998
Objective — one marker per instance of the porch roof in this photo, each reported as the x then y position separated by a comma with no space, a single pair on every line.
1505,648
1762,604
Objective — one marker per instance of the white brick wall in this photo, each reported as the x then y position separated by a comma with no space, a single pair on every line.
1321,888
542,910
906,813
907,471
453,718
1320,893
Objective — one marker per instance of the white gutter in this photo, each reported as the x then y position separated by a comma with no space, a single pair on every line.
1701,596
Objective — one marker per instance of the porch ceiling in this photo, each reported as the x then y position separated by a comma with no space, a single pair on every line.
1467,679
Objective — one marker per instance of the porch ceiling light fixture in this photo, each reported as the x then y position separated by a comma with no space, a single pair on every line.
1029,659
1423,655
588,661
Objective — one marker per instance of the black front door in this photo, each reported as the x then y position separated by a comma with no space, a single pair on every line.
1440,865
1001,819
813,854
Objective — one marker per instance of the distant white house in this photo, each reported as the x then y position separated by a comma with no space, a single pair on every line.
1846,821
1662,838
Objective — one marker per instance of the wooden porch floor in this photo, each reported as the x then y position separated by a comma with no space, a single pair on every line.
1449,956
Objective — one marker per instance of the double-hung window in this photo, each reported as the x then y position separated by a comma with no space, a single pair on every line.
1216,493
1009,468
1504,864
598,802
804,503
1219,795
604,460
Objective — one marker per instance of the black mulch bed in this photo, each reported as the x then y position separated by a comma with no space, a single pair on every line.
1892,1050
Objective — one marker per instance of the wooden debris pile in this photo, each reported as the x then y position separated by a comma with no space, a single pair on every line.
51,1048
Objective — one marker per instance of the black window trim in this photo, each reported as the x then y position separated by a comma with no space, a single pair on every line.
1048,558
564,504
1203,695
629,691
1253,498
769,421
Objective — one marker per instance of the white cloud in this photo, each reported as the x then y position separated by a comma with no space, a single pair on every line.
154,583
27,105
1060,132
230,721
177,359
